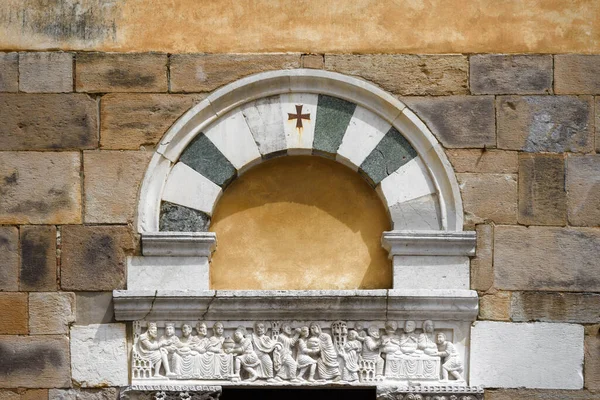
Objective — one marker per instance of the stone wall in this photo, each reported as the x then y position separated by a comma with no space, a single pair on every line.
78,130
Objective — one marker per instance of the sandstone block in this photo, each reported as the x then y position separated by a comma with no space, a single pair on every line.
129,121
314,61
13,314
545,123
542,196
484,161
51,313
46,72
119,72
546,258
419,75
482,272
495,307
489,197
35,394
9,259
83,394
9,395
583,190
510,74
458,121
577,74
40,188
592,360
94,308
508,355
48,121
555,307
9,72
38,258
99,355
597,109
94,257
112,181
35,361
530,394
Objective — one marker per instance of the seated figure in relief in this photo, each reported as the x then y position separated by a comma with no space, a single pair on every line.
216,363
426,342
148,347
264,346
169,343
409,341
371,350
390,341
288,365
245,356
307,355
452,362
185,357
350,353
328,366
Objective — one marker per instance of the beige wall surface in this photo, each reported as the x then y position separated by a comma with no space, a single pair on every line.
358,26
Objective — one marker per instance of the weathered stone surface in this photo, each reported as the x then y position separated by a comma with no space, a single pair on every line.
205,158
48,121
489,197
420,213
484,161
530,394
35,394
546,258
495,307
577,74
333,117
9,259
542,196
9,395
555,307
112,181
40,188
206,72
314,61
99,355
83,394
583,190
94,308
94,257
130,121
482,269
9,72
406,74
38,258
592,359
119,72
35,361
46,72
176,218
545,123
13,314
51,313
510,74
458,121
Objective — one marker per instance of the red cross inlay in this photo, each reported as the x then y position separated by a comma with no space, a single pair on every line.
298,116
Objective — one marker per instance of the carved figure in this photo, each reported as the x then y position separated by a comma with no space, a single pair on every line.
426,341
217,364
215,344
371,350
350,353
184,359
148,347
307,357
409,341
452,362
264,346
327,363
390,342
246,357
360,329
288,364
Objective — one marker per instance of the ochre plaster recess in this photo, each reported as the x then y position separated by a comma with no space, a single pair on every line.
360,26
294,223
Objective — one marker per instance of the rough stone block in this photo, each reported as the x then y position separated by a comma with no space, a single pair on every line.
94,308
495,306
545,123
484,161
9,395
555,307
546,258
542,196
176,273
119,72
510,74
46,72
112,181
83,394
35,394
99,355
583,190
577,74
206,72
525,394
458,121
537,356
9,259
418,75
94,257
35,361
40,188
9,72
51,313
38,258
489,197
176,218
13,314
314,61
130,121
48,121
482,269
592,359
597,109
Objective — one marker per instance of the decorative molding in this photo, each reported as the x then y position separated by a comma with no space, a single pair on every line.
391,392
171,392
430,243
185,244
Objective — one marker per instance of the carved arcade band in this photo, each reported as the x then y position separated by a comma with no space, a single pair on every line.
298,354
